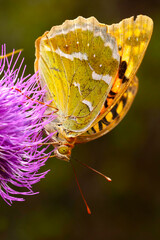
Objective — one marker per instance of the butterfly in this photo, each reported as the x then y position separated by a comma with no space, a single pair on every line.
89,71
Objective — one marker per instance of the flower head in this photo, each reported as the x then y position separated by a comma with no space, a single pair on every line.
21,124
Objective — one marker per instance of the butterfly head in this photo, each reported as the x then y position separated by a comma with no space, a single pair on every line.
63,152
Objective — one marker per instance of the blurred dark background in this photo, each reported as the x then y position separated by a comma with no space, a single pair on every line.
127,208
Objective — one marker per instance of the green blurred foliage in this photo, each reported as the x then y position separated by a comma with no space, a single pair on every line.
128,207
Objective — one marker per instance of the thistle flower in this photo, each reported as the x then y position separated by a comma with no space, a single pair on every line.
21,154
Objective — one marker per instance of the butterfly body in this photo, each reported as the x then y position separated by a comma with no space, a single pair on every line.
89,71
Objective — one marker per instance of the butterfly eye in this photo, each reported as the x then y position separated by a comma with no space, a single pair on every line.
63,150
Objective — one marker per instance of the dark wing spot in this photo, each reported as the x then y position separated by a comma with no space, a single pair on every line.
124,100
125,79
93,130
114,112
112,93
122,69
104,120
100,126
106,104
112,97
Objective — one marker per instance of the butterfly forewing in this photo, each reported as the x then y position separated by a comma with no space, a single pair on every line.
132,38
78,62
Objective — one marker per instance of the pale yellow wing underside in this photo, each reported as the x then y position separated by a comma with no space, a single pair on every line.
78,62
113,117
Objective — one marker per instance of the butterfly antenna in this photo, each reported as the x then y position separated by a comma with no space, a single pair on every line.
94,170
88,209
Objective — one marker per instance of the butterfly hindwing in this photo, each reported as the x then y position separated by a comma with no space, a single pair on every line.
113,117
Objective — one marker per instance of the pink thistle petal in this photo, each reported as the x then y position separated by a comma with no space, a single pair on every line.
21,123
